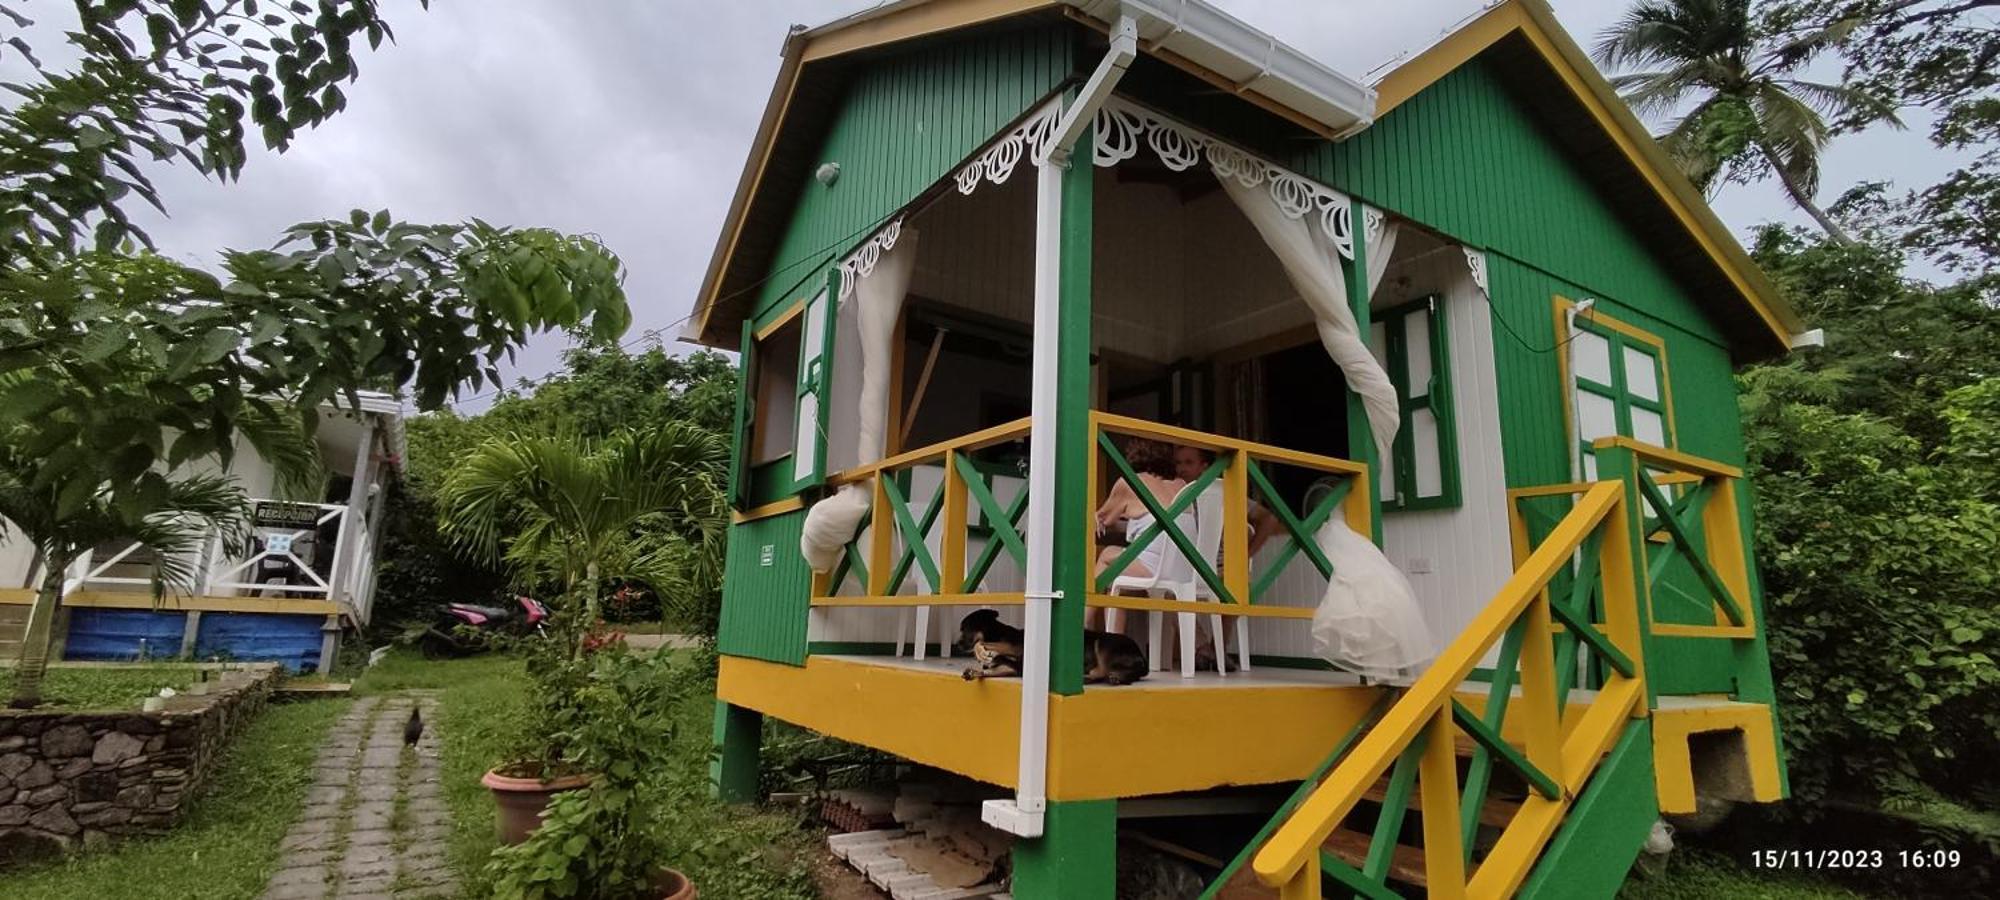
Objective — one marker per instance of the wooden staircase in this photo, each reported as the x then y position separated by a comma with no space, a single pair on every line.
1402,863
1459,810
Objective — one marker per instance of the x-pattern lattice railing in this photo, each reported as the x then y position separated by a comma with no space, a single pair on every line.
1415,743
1240,468
897,542
1691,516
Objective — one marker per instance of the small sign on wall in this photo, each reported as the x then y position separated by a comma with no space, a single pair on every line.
765,555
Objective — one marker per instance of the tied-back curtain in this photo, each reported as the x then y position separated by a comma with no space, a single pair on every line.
1312,263
1368,621
1380,248
878,295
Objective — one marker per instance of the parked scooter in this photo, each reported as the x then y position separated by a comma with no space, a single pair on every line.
462,628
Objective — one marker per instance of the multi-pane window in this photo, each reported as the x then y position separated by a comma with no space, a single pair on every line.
1422,471
1619,384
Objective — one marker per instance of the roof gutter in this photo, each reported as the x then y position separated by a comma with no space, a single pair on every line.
1249,60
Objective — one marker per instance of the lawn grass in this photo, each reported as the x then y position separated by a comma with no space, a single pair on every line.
1694,873
104,687
481,716
227,847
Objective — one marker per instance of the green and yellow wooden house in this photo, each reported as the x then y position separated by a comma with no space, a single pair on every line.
978,242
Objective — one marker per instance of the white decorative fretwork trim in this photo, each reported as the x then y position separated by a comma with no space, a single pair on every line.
861,262
1376,221
1122,125
1025,140
1476,262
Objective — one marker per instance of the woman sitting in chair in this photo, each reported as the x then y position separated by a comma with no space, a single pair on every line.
1123,517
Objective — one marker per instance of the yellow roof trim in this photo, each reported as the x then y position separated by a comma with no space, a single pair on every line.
1538,24
911,19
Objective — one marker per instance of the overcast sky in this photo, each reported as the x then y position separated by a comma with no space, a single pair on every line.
630,119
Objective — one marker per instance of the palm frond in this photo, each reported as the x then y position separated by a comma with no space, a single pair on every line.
1672,32
561,504
279,436
1843,102
196,507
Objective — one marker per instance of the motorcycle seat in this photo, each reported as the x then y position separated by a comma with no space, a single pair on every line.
490,612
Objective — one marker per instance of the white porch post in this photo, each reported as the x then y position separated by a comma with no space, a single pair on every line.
338,578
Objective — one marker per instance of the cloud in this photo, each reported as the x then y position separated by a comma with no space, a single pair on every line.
630,119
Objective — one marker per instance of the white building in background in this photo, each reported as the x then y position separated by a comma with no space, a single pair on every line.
305,574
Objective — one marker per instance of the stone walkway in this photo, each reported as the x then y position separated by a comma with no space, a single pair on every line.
375,824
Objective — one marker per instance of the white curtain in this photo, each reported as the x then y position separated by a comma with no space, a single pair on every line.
1380,248
878,295
1312,263
1368,621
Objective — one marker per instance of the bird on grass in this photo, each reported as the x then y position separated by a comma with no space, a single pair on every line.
414,729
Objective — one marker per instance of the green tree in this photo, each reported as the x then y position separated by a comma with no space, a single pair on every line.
123,367
600,390
1877,514
1941,55
647,506
1747,115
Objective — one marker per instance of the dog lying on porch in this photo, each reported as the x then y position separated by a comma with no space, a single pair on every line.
997,646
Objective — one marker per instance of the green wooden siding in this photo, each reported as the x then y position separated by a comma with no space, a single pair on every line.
764,603
1468,159
905,122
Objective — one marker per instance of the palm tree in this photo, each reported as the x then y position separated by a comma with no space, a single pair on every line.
648,506
1749,117
191,509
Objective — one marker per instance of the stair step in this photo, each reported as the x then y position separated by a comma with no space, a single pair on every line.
1406,864
1496,813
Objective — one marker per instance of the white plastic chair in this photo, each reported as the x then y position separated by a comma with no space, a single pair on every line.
1176,578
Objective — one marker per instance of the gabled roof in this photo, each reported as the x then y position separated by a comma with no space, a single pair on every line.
1532,22
1194,37
1190,35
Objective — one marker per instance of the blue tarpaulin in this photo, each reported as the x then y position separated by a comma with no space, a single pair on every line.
125,634
260,637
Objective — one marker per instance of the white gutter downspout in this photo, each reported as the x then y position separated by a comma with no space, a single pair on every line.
1022,816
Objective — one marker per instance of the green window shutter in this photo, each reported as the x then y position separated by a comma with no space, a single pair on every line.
815,382
1416,352
746,413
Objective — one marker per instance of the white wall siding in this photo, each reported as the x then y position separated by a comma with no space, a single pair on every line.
1457,559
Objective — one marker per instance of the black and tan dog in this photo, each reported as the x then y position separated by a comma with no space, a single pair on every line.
1108,658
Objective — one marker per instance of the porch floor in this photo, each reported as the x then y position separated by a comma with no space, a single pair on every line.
1258,677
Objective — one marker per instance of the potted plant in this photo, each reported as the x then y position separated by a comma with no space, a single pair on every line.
608,839
582,514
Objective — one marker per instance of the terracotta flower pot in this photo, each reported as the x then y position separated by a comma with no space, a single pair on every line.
520,802
674,886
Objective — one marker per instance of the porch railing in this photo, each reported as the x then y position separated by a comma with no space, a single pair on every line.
1584,581
937,541
1415,742
897,543
222,570
1239,467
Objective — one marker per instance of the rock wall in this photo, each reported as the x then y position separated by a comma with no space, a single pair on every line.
70,778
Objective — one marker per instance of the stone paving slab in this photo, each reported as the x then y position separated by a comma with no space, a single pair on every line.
374,824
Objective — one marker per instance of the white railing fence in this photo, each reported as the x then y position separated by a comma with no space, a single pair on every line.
278,560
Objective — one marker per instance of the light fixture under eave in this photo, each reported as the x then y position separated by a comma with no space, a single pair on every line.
827,173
